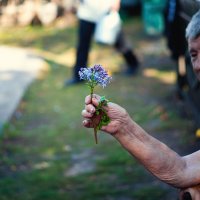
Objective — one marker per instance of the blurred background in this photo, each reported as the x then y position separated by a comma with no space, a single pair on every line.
45,152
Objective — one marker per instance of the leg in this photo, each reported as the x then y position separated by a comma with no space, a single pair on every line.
86,30
85,33
130,58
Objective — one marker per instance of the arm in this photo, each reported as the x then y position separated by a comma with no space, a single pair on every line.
159,159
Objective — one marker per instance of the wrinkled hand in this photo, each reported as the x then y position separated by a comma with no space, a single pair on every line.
118,115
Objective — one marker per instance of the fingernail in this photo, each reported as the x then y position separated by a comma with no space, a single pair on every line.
92,110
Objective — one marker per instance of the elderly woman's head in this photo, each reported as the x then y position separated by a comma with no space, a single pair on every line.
193,28
193,37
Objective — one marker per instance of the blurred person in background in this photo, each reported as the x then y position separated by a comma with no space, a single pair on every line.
174,32
182,172
89,13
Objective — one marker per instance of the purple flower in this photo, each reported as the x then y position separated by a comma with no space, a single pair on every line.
95,75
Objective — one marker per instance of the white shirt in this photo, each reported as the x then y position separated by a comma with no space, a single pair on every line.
93,10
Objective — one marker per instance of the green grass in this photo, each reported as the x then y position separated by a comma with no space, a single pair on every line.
46,140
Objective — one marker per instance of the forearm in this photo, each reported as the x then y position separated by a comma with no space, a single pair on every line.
160,160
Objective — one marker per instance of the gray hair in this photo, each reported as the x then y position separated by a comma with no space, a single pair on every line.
193,28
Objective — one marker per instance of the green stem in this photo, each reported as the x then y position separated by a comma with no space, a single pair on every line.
91,91
95,128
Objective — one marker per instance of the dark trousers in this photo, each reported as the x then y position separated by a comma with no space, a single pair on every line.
85,34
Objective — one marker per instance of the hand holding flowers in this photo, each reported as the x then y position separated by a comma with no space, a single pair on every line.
94,76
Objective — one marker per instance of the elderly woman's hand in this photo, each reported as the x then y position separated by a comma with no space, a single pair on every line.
118,115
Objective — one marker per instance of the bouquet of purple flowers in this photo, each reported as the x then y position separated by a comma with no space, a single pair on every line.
94,76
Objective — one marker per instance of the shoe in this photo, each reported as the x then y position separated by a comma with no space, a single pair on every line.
132,63
72,81
131,71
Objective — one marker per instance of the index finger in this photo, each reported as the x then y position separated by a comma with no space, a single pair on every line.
94,101
88,99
